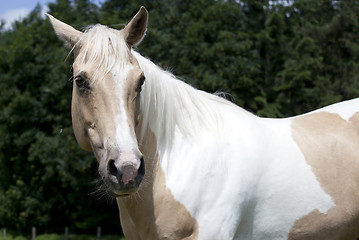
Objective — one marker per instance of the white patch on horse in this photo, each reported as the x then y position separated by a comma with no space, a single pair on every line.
124,136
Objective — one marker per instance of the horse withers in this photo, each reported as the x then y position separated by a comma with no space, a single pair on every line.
185,164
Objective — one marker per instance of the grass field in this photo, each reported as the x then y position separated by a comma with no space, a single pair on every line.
61,237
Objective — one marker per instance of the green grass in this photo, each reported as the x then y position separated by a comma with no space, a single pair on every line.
61,237
9,237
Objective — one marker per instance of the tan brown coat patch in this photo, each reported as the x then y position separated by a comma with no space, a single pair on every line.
330,146
153,213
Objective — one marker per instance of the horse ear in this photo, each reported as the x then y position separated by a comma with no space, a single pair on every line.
67,33
135,30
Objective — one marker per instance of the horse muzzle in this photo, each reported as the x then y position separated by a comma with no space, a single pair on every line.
122,177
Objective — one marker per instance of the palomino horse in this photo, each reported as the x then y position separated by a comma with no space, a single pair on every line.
213,170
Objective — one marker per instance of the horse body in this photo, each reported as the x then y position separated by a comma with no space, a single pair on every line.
258,183
213,170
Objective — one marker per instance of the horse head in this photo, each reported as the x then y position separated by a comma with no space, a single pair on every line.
105,98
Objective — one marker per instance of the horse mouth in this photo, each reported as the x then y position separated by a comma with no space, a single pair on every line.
119,195
124,195
117,190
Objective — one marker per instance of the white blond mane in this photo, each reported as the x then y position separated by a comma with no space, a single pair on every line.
167,105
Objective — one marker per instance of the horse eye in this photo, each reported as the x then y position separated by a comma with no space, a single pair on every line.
82,83
140,83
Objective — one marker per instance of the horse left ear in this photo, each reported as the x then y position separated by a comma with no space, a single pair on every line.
135,30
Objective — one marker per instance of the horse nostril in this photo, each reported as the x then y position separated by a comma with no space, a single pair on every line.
112,168
141,170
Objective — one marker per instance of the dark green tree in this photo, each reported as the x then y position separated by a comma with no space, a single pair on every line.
46,179
320,57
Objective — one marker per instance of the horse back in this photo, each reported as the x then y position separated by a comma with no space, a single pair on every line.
329,140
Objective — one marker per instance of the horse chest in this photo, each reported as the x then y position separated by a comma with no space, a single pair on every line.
155,214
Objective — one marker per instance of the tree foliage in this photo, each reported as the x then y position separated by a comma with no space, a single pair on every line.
275,58
45,179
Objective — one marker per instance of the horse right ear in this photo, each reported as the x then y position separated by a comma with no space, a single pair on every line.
70,35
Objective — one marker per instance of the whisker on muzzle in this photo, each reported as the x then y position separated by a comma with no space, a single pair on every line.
101,193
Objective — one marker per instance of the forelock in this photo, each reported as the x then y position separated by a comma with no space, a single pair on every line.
104,46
